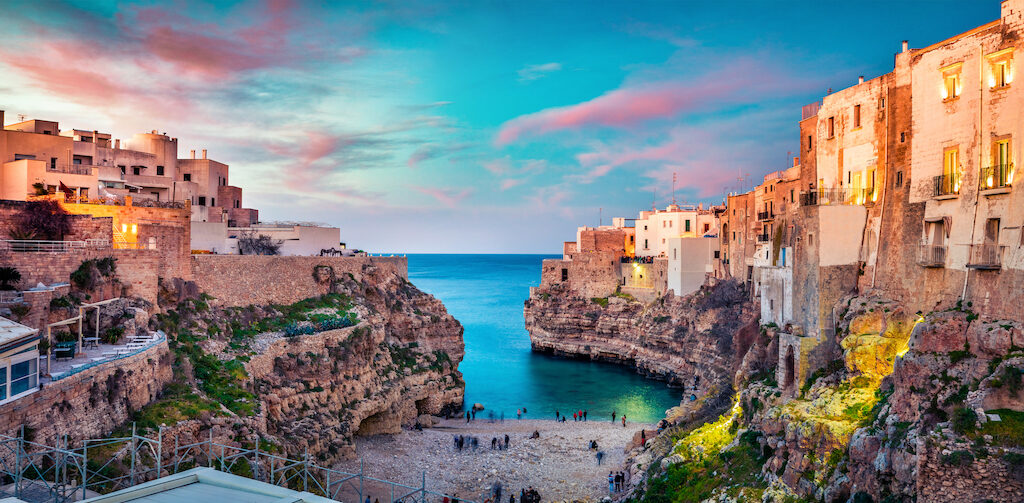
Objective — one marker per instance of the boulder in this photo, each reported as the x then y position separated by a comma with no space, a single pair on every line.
990,340
426,420
478,406
940,333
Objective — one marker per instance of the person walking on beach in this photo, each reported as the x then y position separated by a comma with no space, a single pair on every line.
600,456
574,417
367,499
613,416
506,440
623,420
643,437
519,413
512,498
563,418
494,443
556,415
584,415
611,482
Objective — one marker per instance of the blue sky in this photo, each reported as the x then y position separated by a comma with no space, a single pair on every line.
490,127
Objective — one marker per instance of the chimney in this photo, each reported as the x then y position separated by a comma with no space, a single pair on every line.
796,161
860,80
117,144
193,151
906,46
1,119
204,153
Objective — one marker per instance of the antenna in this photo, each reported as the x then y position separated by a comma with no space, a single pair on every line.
600,216
654,199
21,117
673,187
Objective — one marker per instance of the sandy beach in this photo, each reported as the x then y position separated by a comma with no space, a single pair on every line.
558,464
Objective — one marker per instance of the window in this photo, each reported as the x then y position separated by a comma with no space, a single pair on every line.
992,231
707,227
718,254
53,164
792,196
810,142
856,116
565,274
831,127
899,179
881,104
687,225
903,137
187,177
675,253
213,201
810,240
1001,68
951,83
202,200
645,244
951,171
122,168
238,204
159,171
136,170
734,235
18,157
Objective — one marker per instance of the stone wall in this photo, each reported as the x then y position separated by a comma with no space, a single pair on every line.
991,478
241,280
590,274
91,403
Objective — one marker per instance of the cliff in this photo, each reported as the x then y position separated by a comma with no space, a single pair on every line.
707,334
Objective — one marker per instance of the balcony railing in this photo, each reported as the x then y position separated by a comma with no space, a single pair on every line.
946,185
842,195
11,297
35,246
765,215
71,169
986,256
996,177
764,238
932,256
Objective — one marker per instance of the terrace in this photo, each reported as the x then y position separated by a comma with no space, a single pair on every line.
93,354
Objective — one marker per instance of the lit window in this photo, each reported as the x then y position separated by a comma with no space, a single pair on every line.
951,82
124,227
1001,68
135,229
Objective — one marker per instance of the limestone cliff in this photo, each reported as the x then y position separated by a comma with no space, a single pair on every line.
709,334
370,356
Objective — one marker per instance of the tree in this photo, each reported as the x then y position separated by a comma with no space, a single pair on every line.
41,220
249,243
9,278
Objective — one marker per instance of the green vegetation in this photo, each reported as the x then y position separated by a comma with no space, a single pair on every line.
623,295
91,271
9,278
964,420
601,301
735,472
833,367
1008,431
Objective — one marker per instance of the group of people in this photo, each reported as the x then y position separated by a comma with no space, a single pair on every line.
580,415
460,442
616,481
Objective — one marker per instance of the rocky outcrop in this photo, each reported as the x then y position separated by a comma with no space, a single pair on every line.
707,334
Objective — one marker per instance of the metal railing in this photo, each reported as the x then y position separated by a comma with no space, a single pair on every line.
946,185
764,238
841,195
996,177
11,297
43,473
985,256
40,246
765,215
932,255
71,169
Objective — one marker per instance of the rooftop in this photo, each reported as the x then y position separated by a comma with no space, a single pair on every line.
12,331
202,485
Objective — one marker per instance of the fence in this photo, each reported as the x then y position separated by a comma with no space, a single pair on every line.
11,297
996,177
824,197
37,246
985,256
932,255
44,474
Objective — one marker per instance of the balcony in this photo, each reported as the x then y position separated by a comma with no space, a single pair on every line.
71,169
986,256
765,215
996,179
764,238
946,186
842,195
932,256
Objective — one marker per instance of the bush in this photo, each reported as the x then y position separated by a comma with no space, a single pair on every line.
601,301
44,220
112,335
964,420
9,278
958,458
249,243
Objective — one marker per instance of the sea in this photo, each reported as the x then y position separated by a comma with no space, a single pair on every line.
486,294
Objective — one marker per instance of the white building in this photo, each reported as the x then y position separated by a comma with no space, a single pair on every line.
655,228
297,239
690,260
19,360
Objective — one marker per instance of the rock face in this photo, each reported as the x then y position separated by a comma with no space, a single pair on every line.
707,334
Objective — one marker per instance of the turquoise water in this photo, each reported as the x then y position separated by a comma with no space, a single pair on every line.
486,294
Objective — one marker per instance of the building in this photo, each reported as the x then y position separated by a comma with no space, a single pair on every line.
655,227
19,360
203,485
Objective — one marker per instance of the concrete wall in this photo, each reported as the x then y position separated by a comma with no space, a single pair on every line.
776,288
242,280
690,260
211,236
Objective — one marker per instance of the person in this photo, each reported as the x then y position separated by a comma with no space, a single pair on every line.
497,492
524,410
506,440
455,441
611,482
536,434
511,498
494,443
623,420
455,498
376,500
556,415
367,498
445,500
519,413
643,437
613,416
584,415
474,414
600,456
574,417
563,419
467,417
522,495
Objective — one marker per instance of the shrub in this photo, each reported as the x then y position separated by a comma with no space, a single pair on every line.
249,243
19,311
958,458
9,278
833,367
41,220
964,420
601,301
112,335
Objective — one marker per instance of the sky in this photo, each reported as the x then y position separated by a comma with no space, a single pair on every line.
461,127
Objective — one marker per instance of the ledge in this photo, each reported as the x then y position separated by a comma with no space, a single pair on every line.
945,197
996,191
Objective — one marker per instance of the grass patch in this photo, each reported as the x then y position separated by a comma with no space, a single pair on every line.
1008,431
734,472
601,301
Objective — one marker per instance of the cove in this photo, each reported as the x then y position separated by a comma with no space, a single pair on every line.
486,294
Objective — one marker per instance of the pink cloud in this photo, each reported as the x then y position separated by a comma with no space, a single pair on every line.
448,197
636,104
508,183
